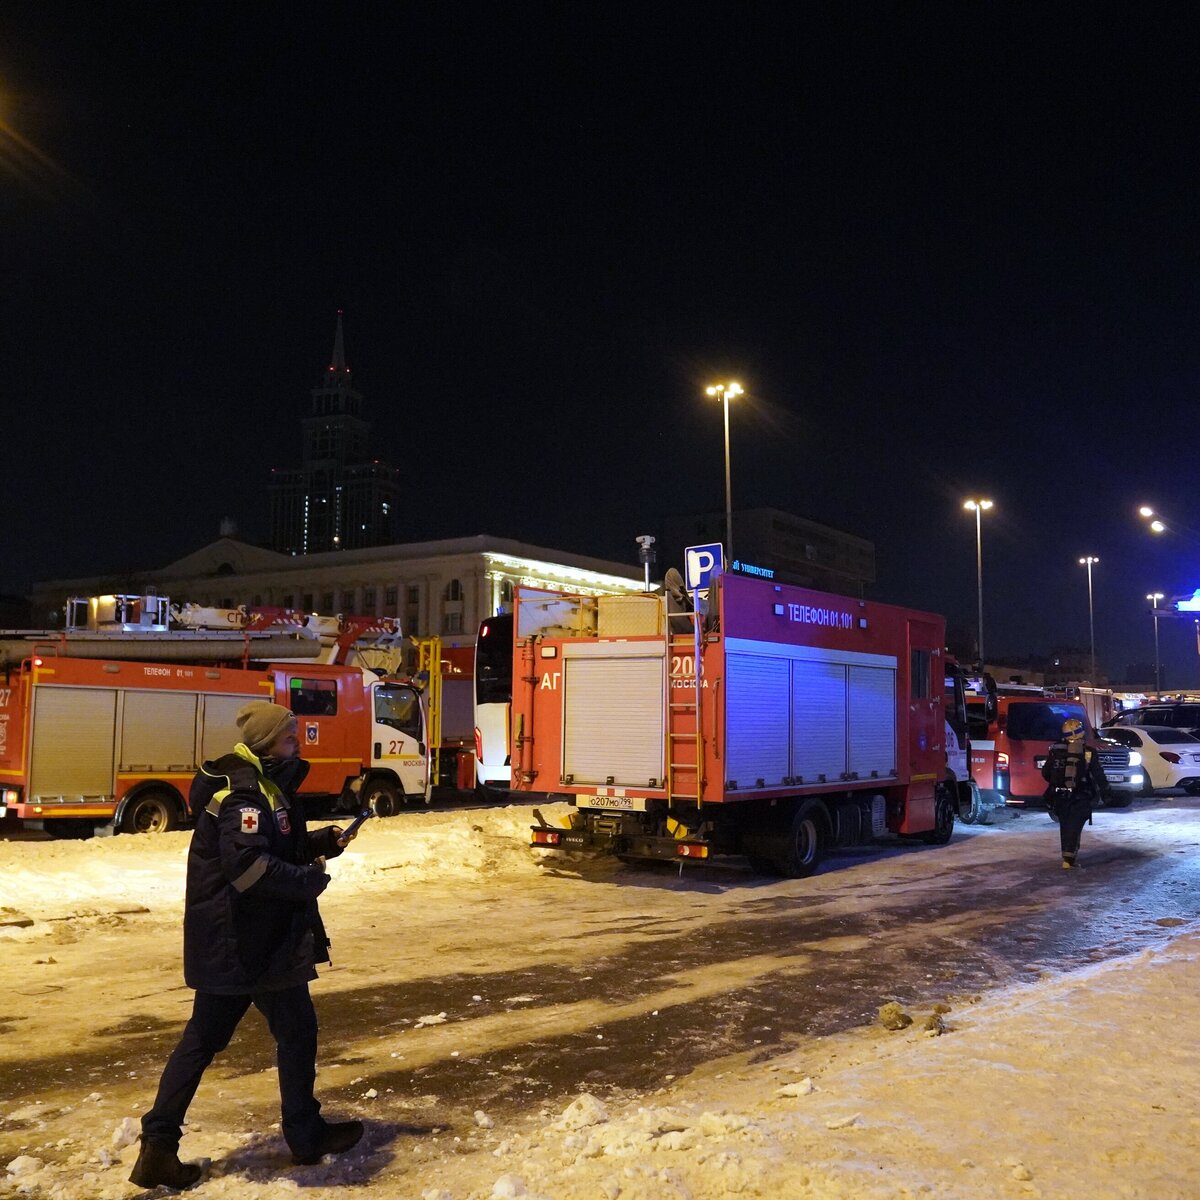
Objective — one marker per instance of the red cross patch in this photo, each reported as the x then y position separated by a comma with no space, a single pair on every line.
249,820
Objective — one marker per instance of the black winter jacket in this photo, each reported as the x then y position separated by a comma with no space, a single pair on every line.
250,920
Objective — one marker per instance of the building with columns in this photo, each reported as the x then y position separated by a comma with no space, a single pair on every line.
445,587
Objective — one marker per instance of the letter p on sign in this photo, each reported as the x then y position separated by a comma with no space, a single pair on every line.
702,562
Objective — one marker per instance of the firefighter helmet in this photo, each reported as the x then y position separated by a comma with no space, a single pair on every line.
1072,728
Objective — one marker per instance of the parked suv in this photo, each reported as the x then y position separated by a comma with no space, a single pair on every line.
1179,714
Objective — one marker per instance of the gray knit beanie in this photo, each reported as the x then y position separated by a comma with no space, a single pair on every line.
262,723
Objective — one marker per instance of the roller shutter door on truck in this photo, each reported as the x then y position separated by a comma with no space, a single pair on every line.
842,716
818,721
74,743
613,712
219,731
872,721
756,719
158,731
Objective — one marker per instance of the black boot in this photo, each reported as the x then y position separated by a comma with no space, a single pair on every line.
335,1137
158,1165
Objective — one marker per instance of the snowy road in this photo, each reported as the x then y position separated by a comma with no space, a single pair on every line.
470,977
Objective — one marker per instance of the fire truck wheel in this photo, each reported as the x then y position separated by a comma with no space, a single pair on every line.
151,812
944,805
802,850
973,812
382,798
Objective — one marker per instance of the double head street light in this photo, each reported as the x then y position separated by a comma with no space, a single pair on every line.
1157,523
1154,598
978,507
1088,562
726,392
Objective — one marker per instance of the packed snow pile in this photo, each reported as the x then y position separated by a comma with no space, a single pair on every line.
44,880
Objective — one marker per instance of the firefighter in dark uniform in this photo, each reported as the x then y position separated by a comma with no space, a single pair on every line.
252,934
1076,785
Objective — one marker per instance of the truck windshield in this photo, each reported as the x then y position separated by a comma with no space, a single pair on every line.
1040,721
398,706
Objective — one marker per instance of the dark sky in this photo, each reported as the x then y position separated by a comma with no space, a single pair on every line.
948,249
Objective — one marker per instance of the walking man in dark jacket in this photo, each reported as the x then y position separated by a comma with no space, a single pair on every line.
252,934
1076,785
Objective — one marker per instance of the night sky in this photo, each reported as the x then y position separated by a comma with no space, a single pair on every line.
949,249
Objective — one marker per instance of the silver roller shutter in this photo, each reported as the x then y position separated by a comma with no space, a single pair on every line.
756,719
73,743
613,720
872,721
158,731
818,720
220,732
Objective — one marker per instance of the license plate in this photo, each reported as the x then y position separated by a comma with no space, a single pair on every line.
1040,762
613,803
1114,776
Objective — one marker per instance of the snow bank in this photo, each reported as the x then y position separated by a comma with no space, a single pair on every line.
129,873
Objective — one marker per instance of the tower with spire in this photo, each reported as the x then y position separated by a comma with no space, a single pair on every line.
340,498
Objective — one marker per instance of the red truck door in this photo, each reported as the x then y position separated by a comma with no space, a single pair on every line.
320,708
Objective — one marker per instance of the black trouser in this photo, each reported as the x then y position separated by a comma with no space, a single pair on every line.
1074,812
293,1024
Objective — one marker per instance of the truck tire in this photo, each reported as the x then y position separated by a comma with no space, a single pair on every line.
152,811
802,847
944,805
382,797
973,812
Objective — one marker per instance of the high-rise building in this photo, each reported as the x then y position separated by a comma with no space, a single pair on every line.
341,498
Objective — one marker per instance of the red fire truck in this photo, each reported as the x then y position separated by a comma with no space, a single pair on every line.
818,722
109,742
1013,728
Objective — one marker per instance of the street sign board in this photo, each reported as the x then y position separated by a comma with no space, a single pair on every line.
702,563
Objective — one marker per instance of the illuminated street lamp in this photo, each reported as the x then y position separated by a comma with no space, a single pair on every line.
1087,562
978,507
1156,524
726,392
1154,598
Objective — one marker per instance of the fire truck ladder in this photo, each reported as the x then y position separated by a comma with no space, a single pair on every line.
429,665
684,743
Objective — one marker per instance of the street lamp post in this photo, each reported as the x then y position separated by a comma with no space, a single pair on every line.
1087,562
1154,598
726,392
978,507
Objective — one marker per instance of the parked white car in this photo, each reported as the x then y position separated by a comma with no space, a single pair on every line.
1170,757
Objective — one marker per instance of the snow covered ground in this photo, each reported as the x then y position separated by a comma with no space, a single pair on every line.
1079,1083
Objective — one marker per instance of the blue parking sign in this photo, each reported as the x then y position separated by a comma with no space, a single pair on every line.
702,563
